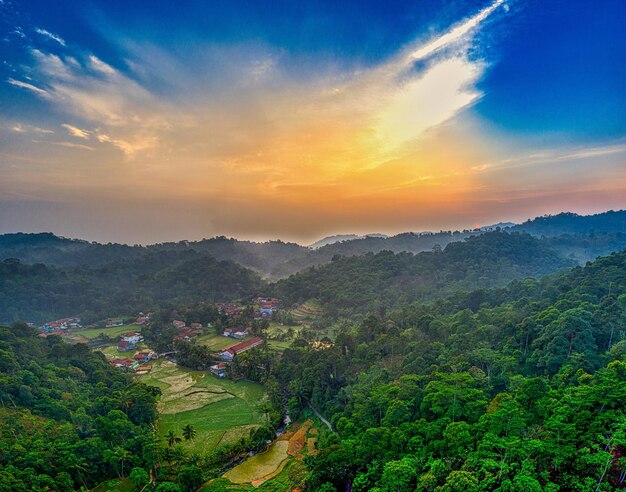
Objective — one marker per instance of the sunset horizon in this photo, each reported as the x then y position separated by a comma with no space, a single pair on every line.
134,124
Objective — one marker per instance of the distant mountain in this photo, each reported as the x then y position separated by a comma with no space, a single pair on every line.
499,225
342,237
570,223
578,237
63,252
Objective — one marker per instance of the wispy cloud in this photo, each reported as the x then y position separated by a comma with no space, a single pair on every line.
73,145
461,32
24,128
75,131
50,35
30,87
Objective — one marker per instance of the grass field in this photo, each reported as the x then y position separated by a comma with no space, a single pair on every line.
220,410
114,332
218,342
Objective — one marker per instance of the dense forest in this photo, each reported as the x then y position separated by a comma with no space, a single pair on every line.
353,284
357,284
67,418
39,292
514,389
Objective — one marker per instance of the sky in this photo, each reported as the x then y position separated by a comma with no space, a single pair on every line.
145,121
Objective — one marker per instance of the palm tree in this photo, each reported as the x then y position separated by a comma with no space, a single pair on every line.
189,432
172,438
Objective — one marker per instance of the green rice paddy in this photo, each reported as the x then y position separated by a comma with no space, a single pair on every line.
221,411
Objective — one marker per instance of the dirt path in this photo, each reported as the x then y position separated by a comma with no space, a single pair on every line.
321,417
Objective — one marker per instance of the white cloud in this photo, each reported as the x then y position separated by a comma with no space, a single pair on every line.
232,122
50,35
456,34
23,128
73,145
97,64
30,87
76,132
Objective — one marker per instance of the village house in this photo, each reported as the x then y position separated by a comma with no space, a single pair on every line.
132,337
114,322
185,335
196,326
179,324
121,362
236,332
142,357
218,369
124,346
231,352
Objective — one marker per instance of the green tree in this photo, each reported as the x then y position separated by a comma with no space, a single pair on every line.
398,476
139,477
172,439
168,487
190,478
189,432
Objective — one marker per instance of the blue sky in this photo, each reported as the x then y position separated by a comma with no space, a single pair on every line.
201,118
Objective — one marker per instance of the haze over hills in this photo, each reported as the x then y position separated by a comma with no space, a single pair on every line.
342,237
578,237
43,275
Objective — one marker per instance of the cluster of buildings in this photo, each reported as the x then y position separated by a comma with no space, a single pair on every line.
263,307
230,310
60,325
267,306
136,363
186,333
143,319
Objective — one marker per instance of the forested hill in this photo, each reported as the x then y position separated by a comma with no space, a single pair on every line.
582,238
373,282
38,292
574,224
68,420
53,250
524,391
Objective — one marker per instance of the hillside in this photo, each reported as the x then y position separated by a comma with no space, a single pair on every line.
68,419
524,392
358,284
39,292
570,223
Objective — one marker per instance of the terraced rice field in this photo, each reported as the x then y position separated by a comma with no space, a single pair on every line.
220,410
260,465
307,311
266,466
